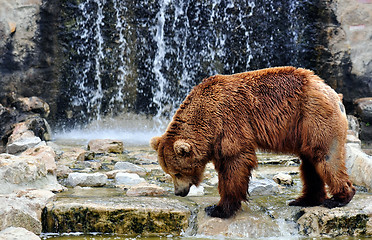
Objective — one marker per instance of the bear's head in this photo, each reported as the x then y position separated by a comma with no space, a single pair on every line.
178,159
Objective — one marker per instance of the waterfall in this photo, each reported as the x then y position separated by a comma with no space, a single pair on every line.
144,57
159,94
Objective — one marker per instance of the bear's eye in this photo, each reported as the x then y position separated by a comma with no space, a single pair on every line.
178,175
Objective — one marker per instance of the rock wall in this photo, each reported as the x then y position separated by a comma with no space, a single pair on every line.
28,49
350,45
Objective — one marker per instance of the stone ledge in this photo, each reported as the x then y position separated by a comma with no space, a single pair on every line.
120,215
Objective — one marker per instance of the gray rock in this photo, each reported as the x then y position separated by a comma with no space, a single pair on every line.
17,233
128,179
87,179
22,144
263,187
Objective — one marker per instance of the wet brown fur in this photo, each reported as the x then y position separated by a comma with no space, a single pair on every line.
226,118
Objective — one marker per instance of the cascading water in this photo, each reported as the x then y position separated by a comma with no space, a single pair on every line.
143,57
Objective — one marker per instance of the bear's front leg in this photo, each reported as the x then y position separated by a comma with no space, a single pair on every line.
233,180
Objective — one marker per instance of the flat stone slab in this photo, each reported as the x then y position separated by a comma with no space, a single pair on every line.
119,215
354,219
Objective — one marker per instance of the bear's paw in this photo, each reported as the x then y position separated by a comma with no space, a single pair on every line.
220,212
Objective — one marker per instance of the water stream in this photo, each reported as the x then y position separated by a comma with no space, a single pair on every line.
144,57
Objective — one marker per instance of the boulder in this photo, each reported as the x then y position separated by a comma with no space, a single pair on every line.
359,165
31,127
20,120
17,233
33,104
25,172
106,146
145,189
352,139
20,131
128,179
87,179
283,179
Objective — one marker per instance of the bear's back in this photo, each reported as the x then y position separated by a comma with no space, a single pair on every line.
258,87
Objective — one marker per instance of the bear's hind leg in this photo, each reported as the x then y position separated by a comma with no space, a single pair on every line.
313,191
333,171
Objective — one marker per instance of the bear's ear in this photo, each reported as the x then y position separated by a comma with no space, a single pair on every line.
181,147
154,143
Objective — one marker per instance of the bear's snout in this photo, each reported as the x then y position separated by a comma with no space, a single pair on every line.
182,191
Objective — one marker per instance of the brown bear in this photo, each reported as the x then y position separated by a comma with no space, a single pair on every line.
226,118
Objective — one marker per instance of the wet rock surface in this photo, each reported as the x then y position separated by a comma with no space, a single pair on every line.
267,213
136,197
